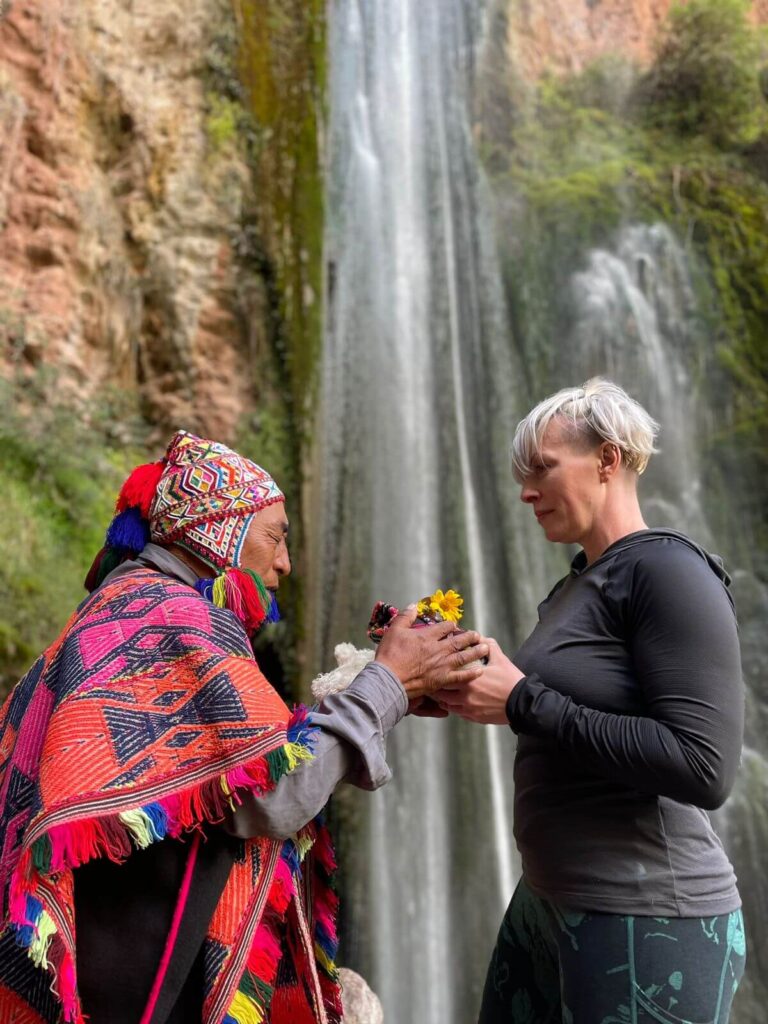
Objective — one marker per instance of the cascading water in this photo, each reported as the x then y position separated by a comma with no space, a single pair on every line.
422,388
636,320
419,403
635,316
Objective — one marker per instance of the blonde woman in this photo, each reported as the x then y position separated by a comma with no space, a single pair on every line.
627,701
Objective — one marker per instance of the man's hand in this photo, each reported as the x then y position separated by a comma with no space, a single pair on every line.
426,659
484,699
425,707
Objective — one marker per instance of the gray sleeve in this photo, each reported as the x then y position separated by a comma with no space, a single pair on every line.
349,746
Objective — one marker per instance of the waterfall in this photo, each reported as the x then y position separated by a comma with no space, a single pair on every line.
636,323
422,387
635,320
420,397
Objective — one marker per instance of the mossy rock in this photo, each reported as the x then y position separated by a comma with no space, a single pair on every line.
613,146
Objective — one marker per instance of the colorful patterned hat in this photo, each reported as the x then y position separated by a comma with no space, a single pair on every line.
206,497
201,495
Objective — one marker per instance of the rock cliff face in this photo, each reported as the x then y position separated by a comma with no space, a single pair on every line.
122,197
160,266
565,35
114,254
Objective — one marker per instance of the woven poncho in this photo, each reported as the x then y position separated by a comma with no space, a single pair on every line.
144,720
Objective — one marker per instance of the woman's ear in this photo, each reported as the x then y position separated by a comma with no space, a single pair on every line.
610,459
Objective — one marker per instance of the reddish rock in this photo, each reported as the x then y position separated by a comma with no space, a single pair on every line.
566,35
115,252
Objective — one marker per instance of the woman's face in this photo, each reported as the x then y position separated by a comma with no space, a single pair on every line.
564,487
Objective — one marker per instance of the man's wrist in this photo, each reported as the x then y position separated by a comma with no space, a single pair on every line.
390,666
385,694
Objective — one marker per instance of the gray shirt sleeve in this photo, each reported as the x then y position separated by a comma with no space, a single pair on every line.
349,746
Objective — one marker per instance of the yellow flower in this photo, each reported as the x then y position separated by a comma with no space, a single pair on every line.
423,607
448,604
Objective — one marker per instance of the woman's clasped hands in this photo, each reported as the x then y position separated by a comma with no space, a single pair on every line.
484,698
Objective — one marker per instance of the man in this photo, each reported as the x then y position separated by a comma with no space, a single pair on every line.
161,855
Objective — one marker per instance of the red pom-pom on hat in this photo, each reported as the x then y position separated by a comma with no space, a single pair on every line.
139,489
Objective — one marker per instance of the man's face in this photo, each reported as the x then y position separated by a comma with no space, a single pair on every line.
265,548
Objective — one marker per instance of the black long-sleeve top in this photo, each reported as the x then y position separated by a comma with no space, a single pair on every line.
630,722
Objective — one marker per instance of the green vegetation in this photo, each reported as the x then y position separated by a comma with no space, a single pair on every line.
222,121
60,480
264,86
705,80
265,89
685,142
282,62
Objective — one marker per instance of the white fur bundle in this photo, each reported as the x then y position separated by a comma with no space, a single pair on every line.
350,661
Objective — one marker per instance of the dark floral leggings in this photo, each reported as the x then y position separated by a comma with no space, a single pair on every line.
557,966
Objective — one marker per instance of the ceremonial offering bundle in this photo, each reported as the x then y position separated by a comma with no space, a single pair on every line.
439,607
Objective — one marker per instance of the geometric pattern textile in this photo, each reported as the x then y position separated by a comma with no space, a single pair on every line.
145,719
206,496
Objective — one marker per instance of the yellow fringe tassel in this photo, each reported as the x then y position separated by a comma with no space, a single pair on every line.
38,950
325,962
244,1010
297,752
219,592
225,788
304,844
138,825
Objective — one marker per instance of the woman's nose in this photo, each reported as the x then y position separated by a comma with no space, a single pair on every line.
528,494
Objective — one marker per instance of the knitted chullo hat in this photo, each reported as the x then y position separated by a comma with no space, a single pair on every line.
206,497
202,496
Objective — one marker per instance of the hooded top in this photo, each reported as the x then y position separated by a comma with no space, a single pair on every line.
630,722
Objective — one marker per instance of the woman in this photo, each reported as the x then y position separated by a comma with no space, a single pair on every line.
627,701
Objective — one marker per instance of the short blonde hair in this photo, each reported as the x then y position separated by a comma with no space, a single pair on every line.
597,411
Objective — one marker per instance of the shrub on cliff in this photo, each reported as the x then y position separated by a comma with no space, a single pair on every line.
706,79
60,477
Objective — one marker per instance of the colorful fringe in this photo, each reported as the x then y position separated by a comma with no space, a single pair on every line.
243,592
251,731
68,846
256,994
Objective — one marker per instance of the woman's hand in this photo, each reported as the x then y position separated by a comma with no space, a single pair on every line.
425,707
484,699
428,658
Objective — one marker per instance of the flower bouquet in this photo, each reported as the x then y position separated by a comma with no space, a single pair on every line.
439,607
442,606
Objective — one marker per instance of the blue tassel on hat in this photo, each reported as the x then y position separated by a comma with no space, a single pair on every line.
128,530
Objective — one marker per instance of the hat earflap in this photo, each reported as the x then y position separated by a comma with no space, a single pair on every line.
243,592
